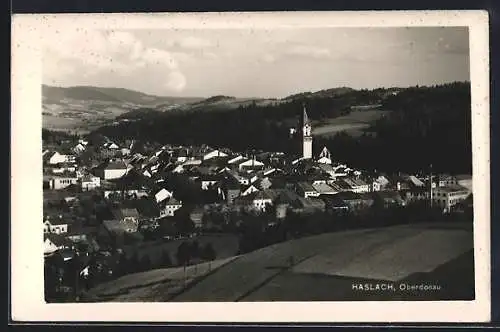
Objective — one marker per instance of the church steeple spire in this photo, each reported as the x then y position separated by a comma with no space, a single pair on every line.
306,135
305,118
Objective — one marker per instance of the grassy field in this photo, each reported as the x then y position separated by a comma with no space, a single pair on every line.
160,284
324,268
225,245
354,123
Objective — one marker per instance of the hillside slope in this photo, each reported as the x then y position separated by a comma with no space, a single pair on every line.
91,93
324,267
84,108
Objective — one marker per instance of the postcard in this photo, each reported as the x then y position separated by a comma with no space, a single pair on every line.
251,167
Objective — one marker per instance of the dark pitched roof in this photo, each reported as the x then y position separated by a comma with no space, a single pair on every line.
117,164
124,213
347,195
172,201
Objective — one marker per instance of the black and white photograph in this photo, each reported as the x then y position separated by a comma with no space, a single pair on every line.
258,163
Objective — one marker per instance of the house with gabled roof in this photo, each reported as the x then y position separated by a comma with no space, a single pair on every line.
168,208
247,190
90,182
214,154
306,189
54,158
55,225
53,242
113,169
162,195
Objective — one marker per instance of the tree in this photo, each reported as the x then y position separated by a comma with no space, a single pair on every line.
166,261
195,249
123,266
209,252
145,263
134,263
184,225
183,254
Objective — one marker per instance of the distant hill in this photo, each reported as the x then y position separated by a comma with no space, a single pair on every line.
91,93
83,108
335,92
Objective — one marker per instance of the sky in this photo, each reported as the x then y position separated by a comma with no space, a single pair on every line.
256,62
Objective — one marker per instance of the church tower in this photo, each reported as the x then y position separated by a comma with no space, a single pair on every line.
306,136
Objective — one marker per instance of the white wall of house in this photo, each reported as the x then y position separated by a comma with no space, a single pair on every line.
57,229
361,189
205,184
446,199
57,158
169,210
95,182
61,183
114,173
261,204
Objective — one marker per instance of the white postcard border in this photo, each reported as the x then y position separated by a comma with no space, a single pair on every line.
27,296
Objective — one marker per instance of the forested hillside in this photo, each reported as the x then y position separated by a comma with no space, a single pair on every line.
426,125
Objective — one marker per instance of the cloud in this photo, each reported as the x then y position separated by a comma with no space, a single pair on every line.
193,43
176,81
158,57
308,51
103,53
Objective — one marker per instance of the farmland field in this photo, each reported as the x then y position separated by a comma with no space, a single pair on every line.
324,267
354,123
225,245
160,283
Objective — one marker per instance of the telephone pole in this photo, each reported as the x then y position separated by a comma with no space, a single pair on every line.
431,185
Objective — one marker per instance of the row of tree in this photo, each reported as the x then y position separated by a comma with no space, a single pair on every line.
423,123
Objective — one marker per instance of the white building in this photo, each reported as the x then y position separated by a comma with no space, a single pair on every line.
162,195
357,185
325,157
251,163
55,226
170,207
61,182
114,170
57,158
214,154
261,200
447,196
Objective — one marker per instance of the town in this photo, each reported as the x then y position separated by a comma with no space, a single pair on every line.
118,207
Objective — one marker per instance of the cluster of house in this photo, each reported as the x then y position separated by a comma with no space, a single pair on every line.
254,180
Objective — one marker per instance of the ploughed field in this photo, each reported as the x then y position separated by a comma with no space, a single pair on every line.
340,266
354,123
